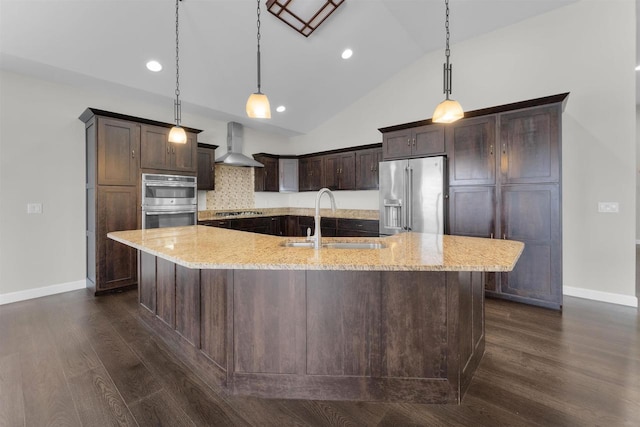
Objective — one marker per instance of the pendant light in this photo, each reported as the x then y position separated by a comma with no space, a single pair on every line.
258,103
177,134
448,111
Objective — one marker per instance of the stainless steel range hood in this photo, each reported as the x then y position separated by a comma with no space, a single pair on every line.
234,156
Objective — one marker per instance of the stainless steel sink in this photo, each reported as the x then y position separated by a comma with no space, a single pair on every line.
336,245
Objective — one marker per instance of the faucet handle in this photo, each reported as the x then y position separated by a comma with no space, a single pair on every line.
308,233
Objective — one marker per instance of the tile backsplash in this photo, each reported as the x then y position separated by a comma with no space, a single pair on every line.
234,189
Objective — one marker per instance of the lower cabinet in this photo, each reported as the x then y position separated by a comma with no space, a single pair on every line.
529,213
296,226
112,264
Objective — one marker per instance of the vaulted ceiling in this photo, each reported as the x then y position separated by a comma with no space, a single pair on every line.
107,43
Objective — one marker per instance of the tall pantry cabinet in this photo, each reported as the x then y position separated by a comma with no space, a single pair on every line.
504,176
115,161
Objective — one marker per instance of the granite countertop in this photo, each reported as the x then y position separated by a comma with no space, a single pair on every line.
258,212
217,248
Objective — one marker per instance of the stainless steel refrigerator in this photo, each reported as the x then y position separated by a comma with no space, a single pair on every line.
411,195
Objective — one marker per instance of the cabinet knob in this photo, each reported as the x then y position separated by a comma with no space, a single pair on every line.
408,142
133,154
414,142
168,150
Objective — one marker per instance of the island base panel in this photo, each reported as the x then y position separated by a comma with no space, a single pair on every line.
331,335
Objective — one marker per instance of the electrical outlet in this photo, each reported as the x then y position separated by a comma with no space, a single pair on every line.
34,208
608,207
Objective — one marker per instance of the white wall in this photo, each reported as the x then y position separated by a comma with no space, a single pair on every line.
638,176
42,160
586,48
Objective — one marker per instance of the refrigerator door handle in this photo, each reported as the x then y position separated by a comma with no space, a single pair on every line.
409,200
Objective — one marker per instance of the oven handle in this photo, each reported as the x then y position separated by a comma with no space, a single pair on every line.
169,212
169,184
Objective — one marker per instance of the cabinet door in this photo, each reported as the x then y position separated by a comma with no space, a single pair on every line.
427,140
316,169
118,152
472,211
206,168
531,214
155,148
471,151
367,168
347,171
258,174
184,156
530,144
397,144
332,171
270,174
117,211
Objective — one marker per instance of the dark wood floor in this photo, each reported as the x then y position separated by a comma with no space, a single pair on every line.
72,359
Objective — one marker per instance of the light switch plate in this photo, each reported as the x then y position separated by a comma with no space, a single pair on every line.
34,208
608,207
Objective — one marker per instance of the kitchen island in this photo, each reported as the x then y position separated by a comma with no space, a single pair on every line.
402,323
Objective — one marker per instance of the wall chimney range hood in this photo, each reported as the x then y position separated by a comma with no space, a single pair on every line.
234,156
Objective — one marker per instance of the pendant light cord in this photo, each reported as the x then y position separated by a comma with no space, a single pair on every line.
178,112
258,37
447,52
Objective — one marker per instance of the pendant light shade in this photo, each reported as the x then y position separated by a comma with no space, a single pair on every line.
448,111
177,135
258,104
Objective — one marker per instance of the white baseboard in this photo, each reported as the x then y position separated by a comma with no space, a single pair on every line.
627,300
41,292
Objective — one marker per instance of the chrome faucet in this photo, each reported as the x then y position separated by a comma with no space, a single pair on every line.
317,237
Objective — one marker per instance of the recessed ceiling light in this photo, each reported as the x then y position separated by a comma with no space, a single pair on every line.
154,66
346,54
281,108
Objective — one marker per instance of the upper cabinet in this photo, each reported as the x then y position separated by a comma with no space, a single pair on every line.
118,146
367,162
159,153
340,171
310,173
530,146
472,152
206,166
266,178
413,142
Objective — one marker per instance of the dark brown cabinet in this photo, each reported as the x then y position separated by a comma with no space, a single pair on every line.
471,151
472,211
530,146
367,168
414,142
157,153
112,156
310,173
118,145
340,171
266,178
113,172
206,167
531,214
504,171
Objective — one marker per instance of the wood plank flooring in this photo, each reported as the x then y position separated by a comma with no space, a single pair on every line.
76,360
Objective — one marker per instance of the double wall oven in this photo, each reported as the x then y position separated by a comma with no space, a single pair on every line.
169,200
